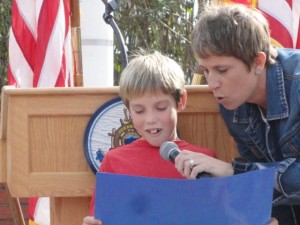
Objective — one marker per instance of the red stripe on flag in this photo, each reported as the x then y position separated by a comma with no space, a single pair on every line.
10,77
279,32
298,39
67,12
290,2
23,36
32,202
60,82
46,22
244,2
63,74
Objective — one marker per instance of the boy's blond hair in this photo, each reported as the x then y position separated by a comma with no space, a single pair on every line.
151,73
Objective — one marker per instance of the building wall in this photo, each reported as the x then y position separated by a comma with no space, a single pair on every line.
6,210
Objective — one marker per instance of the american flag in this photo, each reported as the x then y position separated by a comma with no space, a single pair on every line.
40,55
283,17
40,44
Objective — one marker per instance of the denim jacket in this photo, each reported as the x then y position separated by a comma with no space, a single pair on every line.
272,139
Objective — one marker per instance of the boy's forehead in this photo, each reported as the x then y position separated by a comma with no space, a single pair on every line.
159,95
147,93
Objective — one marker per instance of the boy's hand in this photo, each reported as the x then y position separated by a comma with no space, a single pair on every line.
89,220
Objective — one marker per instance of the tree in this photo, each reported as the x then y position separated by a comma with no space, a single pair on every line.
5,10
162,25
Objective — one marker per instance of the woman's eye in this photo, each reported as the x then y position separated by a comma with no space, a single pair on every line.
222,71
205,73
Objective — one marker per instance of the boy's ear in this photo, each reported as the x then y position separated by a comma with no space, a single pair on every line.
182,102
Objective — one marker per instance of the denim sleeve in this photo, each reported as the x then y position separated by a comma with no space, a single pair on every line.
286,182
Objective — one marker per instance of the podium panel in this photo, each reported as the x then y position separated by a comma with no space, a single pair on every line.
45,129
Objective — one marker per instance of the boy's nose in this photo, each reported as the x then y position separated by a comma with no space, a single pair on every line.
151,118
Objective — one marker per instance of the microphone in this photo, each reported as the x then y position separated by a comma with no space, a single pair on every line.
104,2
169,151
111,5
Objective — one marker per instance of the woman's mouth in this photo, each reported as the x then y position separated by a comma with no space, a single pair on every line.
220,100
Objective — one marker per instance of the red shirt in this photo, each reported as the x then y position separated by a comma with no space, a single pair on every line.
142,159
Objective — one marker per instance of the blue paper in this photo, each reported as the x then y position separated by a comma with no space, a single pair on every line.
244,199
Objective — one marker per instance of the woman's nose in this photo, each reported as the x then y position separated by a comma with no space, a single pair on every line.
213,81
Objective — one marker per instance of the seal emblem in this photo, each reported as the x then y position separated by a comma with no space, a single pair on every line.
109,127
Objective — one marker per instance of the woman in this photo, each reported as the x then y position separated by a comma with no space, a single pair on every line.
257,88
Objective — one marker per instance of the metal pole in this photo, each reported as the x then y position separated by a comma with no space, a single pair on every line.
76,42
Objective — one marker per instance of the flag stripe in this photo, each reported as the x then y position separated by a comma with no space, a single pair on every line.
10,77
23,35
298,40
20,72
27,11
283,17
47,18
290,3
279,32
296,15
280,11
68,58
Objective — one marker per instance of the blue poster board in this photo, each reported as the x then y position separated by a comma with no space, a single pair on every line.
243,199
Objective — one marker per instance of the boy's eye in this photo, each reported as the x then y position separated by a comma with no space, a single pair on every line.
161,108
138,111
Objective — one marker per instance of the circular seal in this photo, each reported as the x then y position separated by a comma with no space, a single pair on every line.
109,127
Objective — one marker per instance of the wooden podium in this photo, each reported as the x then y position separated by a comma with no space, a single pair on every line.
42,131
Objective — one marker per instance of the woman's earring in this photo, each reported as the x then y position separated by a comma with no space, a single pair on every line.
257,72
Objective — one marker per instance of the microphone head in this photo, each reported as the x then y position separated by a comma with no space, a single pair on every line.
167,150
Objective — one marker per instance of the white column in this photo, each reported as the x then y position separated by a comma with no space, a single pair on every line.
97,45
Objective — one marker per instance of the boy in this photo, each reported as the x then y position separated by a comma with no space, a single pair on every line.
152,88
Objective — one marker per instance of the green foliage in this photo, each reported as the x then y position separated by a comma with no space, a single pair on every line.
5,6
162,25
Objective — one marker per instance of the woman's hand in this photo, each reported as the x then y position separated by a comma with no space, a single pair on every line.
190,164
273,221
89,220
